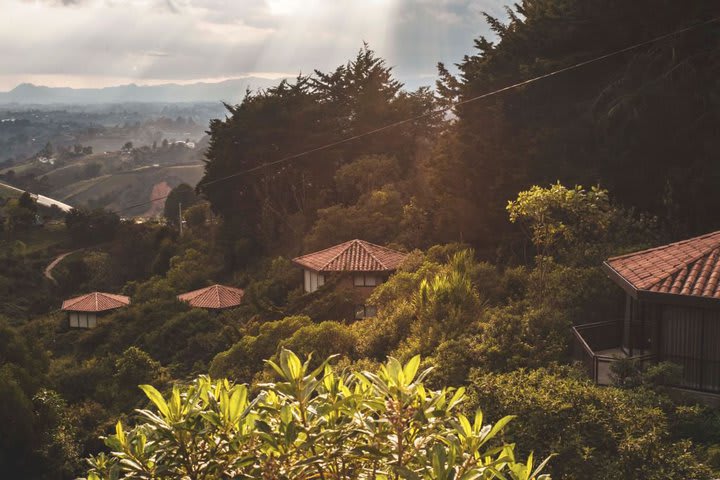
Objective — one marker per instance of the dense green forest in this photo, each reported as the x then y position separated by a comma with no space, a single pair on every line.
506,208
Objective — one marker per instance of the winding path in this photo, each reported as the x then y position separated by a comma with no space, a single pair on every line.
55,262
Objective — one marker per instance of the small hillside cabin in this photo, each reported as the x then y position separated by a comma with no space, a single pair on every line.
367,265
83,311
215,297
671,313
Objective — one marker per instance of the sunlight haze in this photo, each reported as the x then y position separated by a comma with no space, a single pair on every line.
99,43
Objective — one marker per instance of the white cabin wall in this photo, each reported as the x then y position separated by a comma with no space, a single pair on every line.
313,281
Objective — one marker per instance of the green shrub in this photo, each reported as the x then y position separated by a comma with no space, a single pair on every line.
598,433
322,340
311,425
245,359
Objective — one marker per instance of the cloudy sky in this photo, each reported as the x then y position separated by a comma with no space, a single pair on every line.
95,43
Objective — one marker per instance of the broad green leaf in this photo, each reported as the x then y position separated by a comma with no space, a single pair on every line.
120,434
291,364
157,398
411,368
498,426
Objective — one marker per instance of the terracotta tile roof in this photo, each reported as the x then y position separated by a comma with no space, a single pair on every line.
353,256
95,302
215,297
690,267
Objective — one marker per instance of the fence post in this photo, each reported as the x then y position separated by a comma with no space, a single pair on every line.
595,369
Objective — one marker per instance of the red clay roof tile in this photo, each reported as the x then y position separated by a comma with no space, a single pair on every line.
352,256
95,302
690,267
214,297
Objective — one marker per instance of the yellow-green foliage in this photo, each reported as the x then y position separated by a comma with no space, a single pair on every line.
578,225
318,424
598,433
244,359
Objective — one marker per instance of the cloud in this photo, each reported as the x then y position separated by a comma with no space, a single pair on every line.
186,39
171,6
157,54
56,3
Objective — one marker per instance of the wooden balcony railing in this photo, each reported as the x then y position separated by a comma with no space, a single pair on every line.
592,338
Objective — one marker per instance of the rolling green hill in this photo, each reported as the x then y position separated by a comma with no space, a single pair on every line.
112,180
121,190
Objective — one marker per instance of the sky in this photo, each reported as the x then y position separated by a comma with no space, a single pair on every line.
98,43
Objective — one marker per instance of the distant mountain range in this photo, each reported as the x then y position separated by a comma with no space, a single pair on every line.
232,91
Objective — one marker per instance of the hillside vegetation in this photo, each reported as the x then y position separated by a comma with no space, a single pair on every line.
506,210
110,180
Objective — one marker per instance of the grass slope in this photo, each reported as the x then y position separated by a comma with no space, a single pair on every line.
120,190
6,192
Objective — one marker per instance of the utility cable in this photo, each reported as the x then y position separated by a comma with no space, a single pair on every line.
444,109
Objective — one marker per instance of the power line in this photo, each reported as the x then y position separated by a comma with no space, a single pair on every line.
446,108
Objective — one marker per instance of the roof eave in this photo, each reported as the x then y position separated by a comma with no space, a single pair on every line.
659,297
678,299
299,263
620,280
70,309
386,270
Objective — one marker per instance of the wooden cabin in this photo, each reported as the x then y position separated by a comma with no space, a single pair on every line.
671,313
367,265
83,311
215,297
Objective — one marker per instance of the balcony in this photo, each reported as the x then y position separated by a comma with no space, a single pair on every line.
599,344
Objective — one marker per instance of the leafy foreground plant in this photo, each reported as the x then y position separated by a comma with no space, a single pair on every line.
312,425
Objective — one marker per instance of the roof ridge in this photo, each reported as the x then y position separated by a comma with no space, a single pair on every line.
705,269
343,257
322,250
713,278
349,243
110,301
371,253
79,298
660,247
212,296
74,300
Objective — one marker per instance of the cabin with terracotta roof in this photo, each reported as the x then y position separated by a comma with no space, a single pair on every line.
83,311
672,313
215,297
367,265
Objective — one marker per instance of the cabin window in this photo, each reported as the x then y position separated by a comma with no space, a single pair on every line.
366,280
83,320
313,281
365,311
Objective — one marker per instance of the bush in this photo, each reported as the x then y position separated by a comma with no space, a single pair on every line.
132,368
312,425
518,336
378,336
598,433
245,359
322,340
